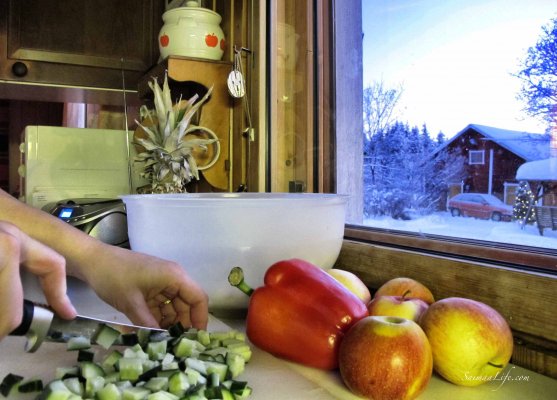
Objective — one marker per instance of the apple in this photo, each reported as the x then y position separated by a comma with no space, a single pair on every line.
397,306
352,283
164,40
211,40
471,342
222,44
385,358
402,285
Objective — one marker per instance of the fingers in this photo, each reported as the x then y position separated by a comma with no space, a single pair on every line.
11,291
48,265
198,302
173,296
140,286
139,313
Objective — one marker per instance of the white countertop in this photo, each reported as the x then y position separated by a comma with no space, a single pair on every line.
269,377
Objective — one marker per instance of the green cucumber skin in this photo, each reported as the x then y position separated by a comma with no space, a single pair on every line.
9,382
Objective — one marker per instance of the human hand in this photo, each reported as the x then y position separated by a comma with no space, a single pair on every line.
16,248
148,290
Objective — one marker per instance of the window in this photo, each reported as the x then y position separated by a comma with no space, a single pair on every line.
476,157
475,151
443,107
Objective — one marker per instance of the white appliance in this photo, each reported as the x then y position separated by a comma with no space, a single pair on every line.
61,163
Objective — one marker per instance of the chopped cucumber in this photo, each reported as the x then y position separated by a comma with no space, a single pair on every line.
9,382
130,368
157,383
182,364
111,361
74,385
178,384
109,392
157,350
56,390
93,385
90,370
188,348
78,343
106,336
162,395
135,393
31,385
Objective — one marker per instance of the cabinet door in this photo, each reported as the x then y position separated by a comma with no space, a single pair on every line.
79,42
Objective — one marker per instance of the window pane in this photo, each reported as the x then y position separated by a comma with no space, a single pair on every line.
454,102
291,93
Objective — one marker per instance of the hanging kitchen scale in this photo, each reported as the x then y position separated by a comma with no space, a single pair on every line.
237,89
236,84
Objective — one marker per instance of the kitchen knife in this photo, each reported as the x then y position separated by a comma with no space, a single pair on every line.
40,323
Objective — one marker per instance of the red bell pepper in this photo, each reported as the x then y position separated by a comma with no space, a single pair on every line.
300,314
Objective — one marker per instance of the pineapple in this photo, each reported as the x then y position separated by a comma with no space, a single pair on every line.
167,159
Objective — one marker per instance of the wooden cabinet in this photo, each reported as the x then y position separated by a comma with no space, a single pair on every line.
79,42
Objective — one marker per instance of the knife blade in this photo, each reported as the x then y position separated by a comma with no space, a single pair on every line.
41,324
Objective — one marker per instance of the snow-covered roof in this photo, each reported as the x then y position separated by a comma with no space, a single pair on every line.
530,146
527,145
540,170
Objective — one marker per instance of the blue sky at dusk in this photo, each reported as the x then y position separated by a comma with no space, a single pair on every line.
453,58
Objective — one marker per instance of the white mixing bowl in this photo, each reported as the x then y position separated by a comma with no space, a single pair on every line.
210,233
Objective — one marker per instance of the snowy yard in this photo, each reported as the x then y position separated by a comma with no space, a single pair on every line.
442,223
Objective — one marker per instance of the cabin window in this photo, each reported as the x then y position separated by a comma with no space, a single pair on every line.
476,157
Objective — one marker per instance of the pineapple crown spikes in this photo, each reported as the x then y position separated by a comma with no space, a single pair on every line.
166,155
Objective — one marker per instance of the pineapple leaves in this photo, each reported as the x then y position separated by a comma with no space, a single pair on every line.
167,160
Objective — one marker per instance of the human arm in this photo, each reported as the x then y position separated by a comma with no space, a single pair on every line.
136,284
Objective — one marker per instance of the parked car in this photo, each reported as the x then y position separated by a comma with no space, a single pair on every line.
479,205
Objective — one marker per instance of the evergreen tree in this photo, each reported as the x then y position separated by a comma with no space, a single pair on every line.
401,175
523,210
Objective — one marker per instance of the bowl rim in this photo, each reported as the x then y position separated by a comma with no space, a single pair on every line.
234,198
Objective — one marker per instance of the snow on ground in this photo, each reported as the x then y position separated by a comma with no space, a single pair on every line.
442,223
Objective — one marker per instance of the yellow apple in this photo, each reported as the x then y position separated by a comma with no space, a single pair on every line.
385,358
471,342
407,287
352,283
397,306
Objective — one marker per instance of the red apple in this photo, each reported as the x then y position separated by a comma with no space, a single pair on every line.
352,283
385,358
222,44
397,306
211,40
471,342
402,285
164,40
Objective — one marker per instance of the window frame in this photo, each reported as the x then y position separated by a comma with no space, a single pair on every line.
338,22
472,153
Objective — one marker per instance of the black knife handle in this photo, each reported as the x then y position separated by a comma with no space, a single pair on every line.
28,311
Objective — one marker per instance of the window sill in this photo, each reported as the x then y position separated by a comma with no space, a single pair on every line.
527,258
524,297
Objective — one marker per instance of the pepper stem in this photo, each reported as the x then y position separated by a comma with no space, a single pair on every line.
236,278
